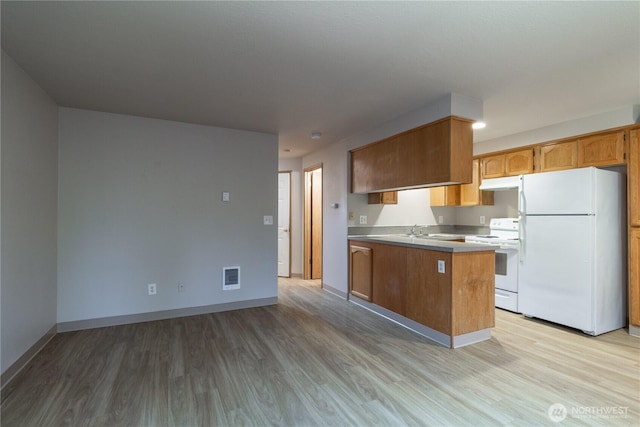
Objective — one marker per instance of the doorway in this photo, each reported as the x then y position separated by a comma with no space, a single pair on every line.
284,224
313,222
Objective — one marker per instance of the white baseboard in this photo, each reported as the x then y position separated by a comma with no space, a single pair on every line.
22,361
162,315
336,292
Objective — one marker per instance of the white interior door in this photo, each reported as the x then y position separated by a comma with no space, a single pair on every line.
284,224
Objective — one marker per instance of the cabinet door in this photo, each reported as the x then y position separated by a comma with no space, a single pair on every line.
493,166
634,177
558,156
606,148
360,271
470,194
519,162
634,276
389,277
445,196
384,198
429,292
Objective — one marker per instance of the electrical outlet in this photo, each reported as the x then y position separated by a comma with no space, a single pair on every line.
481,219
441,266
267,220
363,219
151,288
440,219
181,287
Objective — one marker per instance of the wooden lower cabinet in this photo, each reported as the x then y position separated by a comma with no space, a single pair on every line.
634,276
456,302
360,271
406,280
390,277
430,292
377,273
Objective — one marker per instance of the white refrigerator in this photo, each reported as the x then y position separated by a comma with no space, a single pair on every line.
573,248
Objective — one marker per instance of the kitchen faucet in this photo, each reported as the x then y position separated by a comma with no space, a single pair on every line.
415,229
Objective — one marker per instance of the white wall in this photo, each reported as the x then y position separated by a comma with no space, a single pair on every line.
29,212
412,208
140,202
297,215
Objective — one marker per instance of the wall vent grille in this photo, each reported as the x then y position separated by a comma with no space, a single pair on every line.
230,278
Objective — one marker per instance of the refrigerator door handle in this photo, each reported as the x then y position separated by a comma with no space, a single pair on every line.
521,221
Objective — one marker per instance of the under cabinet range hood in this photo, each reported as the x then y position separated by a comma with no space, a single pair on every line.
498,184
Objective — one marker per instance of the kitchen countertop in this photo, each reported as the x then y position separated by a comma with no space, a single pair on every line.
433,243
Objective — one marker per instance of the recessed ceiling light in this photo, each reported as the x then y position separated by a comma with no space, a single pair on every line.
315,135
479,125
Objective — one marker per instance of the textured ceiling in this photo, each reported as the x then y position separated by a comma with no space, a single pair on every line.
290,68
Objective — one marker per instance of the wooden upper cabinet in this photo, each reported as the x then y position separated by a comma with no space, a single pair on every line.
507,164
470,194
448,195
384,198
633,170
439,152
606,148
558,156
493,166
519,162
462,194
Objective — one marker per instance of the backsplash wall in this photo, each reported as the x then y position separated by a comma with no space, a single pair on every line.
413,208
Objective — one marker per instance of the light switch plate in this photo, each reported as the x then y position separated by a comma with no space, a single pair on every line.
225,196
441,266
268,220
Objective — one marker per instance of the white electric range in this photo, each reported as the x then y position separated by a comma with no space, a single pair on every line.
504,235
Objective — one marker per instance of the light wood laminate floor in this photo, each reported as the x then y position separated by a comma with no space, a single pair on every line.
315,359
